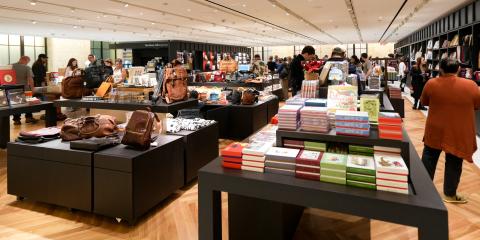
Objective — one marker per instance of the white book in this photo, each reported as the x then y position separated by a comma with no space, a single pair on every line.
282,153
288,108
395,184
256,148
389,163
253,158
394,177
253,164
280,163
395,190
254,169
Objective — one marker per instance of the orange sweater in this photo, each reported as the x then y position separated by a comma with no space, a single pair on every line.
451,116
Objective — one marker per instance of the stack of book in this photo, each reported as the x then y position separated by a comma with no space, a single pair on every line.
361,171
296,101
352,123
392,173
360,150
281,161
316,102
314,119
289,143
395,92
253,156
232,155
315,146
288,117
390,126
333,168
308,165
310,88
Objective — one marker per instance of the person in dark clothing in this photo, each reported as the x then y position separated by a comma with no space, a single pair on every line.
39,69
94,72
272,66
108,67
419,77
296,68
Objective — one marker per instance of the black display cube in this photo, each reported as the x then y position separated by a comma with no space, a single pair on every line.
128,182
244,120
201,147
50,172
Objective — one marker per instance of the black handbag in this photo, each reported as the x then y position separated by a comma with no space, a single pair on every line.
236,97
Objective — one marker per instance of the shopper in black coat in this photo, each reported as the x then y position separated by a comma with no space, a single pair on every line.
419,78
39,69
296,68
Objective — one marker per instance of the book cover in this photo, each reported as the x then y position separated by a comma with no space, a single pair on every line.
278,153
232,159
315,146
311,156
280,171
307,175
342,97
391,183
333,173
307,168
361,184
351,116
390,164
392,189
317,102
233,150
361,178
280,165
253,164
256,149
361,165
371,106
334,161
253,158
231,165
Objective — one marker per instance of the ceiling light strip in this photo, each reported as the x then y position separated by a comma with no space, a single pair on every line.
394,18
407,18
274,38
287,10
353,16
250,17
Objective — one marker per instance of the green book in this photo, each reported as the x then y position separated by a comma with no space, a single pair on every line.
361,185
315,146
361,153
333,173
361,178
334,161
361,164
333,180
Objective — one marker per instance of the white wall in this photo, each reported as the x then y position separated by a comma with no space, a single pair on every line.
60,50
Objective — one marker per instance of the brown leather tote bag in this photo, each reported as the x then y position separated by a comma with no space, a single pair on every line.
86,127
174,86
72,87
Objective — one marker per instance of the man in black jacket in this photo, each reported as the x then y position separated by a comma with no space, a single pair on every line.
296,68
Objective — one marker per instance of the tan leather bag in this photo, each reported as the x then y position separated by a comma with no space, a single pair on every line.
174,86
138,132
86,127
104,89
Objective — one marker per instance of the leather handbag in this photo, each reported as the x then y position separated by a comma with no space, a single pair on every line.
72,87
174,87
249,97
87,127
236,97
138,132
104,89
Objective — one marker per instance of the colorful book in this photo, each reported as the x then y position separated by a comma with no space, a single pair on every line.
256,148
293,143
234,149
361,165
231,165
390,164
280,171
286,154
333,173
315,146
361,178
393,189
280,165
232,159
309,157
253,169
307,175
361,184
253,158
381,149
371,105
334,161
330,179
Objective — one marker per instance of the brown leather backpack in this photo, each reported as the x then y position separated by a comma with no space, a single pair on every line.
174,86
72,87
86,127
138,132
249,97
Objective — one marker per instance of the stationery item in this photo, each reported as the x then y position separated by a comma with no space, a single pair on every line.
390,126
314,119
342,97
282,154
352,123
315,146
316,102
392,173
293,143
288,117
371,105
94,144
359,164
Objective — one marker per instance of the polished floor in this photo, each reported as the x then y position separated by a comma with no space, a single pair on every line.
176,218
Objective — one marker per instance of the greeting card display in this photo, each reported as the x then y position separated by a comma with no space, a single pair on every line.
342,98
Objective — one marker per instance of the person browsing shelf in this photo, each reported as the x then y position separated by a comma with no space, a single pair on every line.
24,77
39,69
119,72
296,68
72,67
108,67
450,126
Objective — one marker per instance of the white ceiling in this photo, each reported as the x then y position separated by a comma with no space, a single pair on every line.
236,22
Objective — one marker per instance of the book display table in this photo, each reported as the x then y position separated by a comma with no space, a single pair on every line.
269,206
258,86
6,112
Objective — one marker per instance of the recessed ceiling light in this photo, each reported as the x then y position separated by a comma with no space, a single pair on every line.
215,10
126,5
98,17
72,10
33,2
288,14
244,5
152,23
273,5
330,20
141,13
104,15
189,10
75,26
34,22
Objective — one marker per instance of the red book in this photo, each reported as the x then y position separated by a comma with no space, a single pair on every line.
233,150
396,128
315,177
232,159
391,136
307,169
231,165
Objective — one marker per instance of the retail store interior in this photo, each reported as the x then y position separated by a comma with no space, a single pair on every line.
245,119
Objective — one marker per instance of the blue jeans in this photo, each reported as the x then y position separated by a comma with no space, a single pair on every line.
453,169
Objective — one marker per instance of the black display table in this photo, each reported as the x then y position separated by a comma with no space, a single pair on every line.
422,208
201,147
6,112
50,172
127,182
258,86
160,107
398,106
